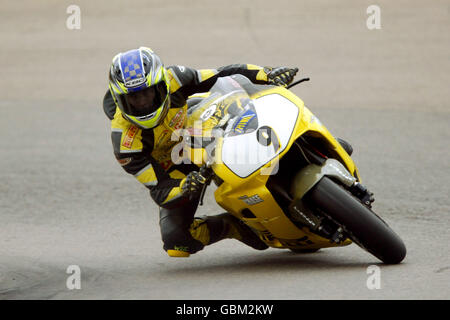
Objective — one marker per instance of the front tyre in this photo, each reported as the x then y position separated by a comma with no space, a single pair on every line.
363,226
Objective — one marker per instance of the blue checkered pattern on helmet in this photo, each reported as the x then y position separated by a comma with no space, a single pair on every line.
132,69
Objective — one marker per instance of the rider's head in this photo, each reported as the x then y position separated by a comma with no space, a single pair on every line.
139,84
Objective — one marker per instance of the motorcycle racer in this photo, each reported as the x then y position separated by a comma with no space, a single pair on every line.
146,103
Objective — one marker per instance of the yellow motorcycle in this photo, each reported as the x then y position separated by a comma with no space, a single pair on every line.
280,171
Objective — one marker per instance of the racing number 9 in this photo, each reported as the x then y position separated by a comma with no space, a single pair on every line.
267,136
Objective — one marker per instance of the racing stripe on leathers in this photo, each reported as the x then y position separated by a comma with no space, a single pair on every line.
147,176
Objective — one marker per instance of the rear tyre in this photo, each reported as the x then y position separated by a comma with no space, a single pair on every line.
362,225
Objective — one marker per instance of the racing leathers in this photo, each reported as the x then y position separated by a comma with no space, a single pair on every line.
146,154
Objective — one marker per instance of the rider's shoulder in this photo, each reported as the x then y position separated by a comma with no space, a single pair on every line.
123,127
126,137
180,76
119,122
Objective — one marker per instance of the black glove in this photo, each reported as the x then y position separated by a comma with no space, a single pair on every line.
280,76
193,185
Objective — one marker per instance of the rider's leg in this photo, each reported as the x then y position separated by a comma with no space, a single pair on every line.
226,226
175,226
183,235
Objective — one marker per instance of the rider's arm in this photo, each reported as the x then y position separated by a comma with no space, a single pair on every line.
132,149
189,81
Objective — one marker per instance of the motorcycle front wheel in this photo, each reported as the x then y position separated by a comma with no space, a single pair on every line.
362,225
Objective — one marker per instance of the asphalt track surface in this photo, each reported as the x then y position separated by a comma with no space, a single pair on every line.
65,201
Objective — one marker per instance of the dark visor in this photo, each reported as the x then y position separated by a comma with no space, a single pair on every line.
144,102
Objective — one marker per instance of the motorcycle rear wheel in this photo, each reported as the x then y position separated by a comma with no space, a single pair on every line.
362,225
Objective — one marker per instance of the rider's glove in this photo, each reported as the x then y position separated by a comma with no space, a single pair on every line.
280,76
193,185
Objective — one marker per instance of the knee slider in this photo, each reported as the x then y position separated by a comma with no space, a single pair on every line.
176,236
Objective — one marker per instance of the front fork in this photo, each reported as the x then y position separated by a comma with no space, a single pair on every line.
306,179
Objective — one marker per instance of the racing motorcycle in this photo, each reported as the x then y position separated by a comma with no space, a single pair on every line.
279,170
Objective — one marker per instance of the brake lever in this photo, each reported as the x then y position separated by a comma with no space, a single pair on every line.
297,82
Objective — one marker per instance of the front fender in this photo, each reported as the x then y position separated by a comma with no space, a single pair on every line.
306,178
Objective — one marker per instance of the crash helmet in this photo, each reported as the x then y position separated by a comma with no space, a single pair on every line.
139,85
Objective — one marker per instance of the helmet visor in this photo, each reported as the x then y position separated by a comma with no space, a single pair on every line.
144,102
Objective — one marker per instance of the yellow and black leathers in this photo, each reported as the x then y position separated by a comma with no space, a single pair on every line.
182,234
146,154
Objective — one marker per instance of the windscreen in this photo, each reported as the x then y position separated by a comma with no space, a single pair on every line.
227,107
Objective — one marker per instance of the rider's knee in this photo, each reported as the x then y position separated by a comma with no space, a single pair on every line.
176,235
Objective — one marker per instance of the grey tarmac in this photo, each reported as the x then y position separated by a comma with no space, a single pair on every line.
65,201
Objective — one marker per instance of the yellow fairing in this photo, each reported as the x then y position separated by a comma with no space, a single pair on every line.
250,200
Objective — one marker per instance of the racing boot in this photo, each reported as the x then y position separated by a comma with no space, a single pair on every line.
211,229
347,146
